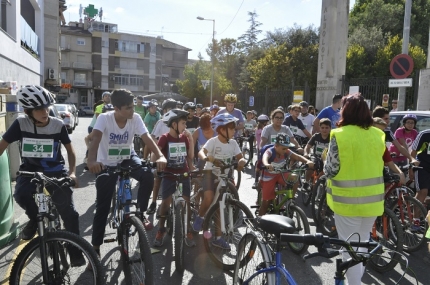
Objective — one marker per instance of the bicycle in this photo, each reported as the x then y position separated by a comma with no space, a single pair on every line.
285,204
259,260
246,151
307,193
177,218
44,259
131,236
224,219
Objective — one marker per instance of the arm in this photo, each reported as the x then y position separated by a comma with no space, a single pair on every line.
71,156
3,145
308,149
190,151
397,170
332,163
196,135
263,142
403,150
161,160
240,161
94,166
302,159
308,134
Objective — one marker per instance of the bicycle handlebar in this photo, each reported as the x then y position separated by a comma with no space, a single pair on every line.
285,169
118,168
176,175
39,177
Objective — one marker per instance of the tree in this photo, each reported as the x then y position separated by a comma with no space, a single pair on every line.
293,37
249,40
356,59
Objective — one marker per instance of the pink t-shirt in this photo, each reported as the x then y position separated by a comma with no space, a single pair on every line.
258,137
409,138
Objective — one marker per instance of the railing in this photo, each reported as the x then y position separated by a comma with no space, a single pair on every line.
29,38
82,65
82,83
65,48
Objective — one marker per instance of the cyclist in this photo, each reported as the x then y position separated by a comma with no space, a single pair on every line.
199,108
270,178
249,132
139,108
220,148
262,122
151,118
214,110
179,105
192,120
318,143
202,134
106,100
114,132
306,118
87,139
408,134
330,112
295,124
178,147
230,100
34,129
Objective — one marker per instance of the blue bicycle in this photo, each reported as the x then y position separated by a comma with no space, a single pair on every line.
268,237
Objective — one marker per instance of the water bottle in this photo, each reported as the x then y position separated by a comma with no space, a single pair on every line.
180,189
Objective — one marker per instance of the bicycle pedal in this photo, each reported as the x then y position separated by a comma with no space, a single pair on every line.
110,240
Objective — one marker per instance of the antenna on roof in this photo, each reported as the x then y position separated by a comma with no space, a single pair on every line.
80,12
101,14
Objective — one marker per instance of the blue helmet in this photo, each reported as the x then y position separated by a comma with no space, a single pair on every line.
409,117
223,120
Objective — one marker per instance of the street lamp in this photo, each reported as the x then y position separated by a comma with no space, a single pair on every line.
212,53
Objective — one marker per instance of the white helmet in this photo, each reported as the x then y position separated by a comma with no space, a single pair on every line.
33,96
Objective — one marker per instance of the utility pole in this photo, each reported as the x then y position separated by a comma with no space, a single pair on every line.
401,100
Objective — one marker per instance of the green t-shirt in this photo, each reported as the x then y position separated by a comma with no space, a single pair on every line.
150,120
141,111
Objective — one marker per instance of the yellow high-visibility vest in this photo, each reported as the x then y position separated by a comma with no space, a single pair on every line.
358,189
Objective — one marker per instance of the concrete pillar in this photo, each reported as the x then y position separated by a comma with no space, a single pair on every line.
332,50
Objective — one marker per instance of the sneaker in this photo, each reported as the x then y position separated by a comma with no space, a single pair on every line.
189,240
198,223
159,238
221,243
416,227
89,267
146,223
254,186
151,209
76,257
29,230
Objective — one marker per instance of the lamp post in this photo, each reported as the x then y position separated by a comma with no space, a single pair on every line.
212,53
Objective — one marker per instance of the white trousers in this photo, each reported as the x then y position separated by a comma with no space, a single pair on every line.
359,229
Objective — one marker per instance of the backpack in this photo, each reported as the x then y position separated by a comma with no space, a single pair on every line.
259,164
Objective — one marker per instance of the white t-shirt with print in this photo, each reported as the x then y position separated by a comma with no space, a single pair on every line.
221,151
116,143
307,122
160,129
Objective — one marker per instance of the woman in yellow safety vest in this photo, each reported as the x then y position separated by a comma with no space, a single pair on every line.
355,188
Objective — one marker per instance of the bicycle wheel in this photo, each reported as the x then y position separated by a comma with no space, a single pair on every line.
136,253
302,227
319,191
246,155
225,258
413,238
252,255
27,268
388,232
112,210
179,237
325,218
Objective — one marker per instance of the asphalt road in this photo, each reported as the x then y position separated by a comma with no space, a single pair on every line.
199,269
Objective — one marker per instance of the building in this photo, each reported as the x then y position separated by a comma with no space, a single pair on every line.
141,64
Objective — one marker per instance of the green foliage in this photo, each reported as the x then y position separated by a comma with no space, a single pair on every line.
249,40
356,59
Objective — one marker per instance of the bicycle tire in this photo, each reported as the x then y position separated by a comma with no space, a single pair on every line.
223,258
139,268
394,242
326,223
179,237
28,261
412,240
302,227
112,209
137,146
306,195
319,190
169,222
251,256
237,178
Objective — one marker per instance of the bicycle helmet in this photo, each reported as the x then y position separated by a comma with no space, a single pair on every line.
199,106
152,103
140,97
254,112
34,96
222,120
179,104
263,118
304,104
409,117
107,108
230,98
205,110
213,107
283,139
106,93
174,115
189,105
168,104
280,108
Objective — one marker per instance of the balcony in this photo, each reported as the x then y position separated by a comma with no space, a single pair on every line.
29,39
65,48
65,64
82,83
82,65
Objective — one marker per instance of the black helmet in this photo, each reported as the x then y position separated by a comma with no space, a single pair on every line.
189,105
304,104
179,103
152,103
169,104
174,115
107,108
199,105
283,139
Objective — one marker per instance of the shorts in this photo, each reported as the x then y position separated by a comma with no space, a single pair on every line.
422,179
208,180
168,187
268,187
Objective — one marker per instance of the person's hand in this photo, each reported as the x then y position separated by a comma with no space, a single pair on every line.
300,150
188,134
161,163
310,164
73,176
415,162
210,158
241,164
95,167
269,167
217,163
402,178
192,167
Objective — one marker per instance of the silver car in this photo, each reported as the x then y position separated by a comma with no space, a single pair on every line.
67,115
423,119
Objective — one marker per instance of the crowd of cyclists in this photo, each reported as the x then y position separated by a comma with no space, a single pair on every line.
181,137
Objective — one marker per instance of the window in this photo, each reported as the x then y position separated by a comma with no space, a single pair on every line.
116,45
175,73
84,99
80,42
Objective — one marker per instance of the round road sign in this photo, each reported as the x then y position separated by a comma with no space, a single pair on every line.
401,66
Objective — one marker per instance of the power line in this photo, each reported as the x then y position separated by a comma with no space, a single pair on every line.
233,18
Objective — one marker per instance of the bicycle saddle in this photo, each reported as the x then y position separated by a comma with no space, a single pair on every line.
276,225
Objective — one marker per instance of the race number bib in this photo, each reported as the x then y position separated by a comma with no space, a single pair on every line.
119,151
273,139
177,155
249,127
40,148
319,148
294,129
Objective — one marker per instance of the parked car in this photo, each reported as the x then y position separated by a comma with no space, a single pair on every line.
67,115
86,110
423,119
75,113
53,112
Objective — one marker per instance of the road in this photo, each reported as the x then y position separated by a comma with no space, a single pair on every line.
198,267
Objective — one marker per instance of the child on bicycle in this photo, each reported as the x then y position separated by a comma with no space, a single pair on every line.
114,133
276,157
178,146
36,128
217,150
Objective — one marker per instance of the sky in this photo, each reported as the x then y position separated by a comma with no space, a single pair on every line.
176,20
